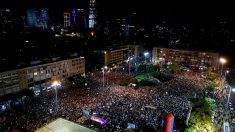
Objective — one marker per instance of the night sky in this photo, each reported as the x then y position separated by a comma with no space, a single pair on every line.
199,11
195,13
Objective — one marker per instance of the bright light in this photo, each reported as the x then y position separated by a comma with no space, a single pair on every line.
92,33
233,90
55,83
26,41
146,53
227,71
105,52
105,67
222,60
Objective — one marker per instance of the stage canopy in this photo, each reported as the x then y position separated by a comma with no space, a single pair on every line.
62,125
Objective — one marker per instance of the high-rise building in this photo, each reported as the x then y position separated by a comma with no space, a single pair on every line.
74,16
78,19
92,13
6,23
37,18
43,19
31,18
66,19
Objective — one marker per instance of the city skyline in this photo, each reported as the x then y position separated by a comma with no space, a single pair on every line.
205,20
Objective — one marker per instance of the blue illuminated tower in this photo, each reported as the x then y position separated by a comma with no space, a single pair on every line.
74,15
31,18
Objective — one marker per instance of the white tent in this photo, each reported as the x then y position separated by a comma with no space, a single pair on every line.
62,125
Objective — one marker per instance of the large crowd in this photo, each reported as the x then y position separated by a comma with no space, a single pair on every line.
118,105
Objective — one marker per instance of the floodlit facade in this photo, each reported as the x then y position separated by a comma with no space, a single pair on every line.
114,56
194,59
117,55
40,76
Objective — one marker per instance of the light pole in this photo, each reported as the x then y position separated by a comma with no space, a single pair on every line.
226,73
55,84
230,89
105,67
103,76
145,55
222,61
129,61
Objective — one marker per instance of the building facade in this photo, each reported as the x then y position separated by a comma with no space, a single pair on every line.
194,59
40,76
114,56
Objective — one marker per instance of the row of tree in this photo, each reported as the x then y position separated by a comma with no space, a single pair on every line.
201,116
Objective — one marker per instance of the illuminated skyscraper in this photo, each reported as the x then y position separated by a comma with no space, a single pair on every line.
78,19
6,20
31,18
66,19
92,13
43,19
37,18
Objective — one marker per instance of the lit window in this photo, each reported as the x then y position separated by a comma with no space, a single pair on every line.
35,73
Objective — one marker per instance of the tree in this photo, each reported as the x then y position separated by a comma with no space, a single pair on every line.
210,75
142,68
212,86
146,83
27,92
123,82
174,68
231,80
154,74
200,119
150,68
156,67
211,102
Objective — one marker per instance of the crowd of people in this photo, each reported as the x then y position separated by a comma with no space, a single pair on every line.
118,105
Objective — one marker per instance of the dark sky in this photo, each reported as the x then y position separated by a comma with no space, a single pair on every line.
150,8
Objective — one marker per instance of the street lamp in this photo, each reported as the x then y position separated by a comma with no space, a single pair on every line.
129,61
222,61
105,67
230,89
145,55
55,84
